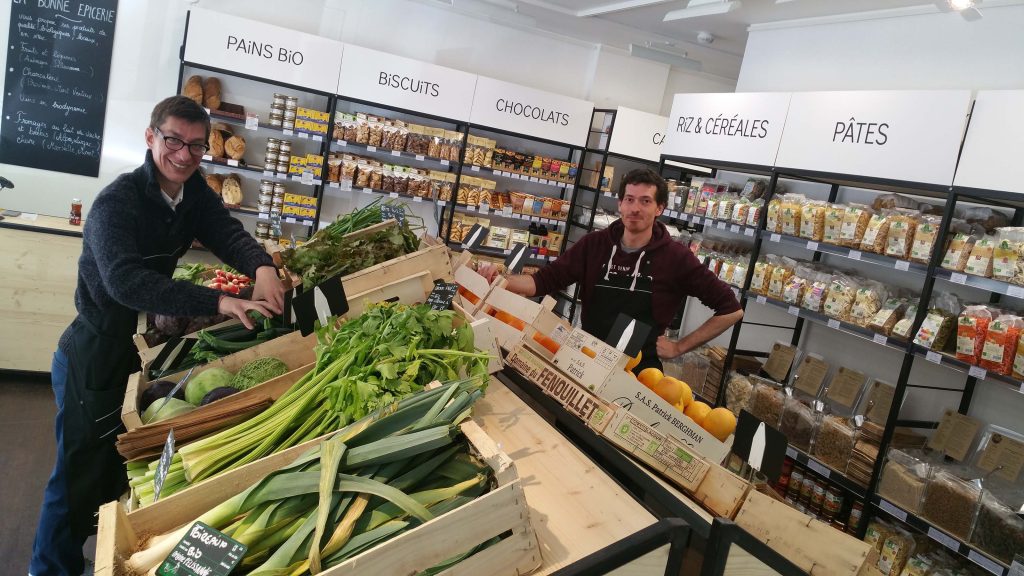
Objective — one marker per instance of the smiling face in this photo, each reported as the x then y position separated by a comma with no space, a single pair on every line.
175,166
639,207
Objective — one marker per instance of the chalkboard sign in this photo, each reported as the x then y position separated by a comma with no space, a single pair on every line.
203,551
440,298
55,85
388,212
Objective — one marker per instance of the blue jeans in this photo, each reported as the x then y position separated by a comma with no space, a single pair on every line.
55,551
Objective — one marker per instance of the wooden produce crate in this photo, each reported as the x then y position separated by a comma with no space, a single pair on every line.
722,492
514,313
502,510
811,544
473,288
147,353
546,334
293,349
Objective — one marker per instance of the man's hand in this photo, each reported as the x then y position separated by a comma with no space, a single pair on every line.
668,349
269,289
488,271
239,308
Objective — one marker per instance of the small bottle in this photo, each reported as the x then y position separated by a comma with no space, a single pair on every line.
75,218
856,512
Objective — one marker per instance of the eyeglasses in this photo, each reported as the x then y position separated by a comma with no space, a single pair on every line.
175,144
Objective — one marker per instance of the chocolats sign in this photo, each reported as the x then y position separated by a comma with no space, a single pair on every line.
744,128
55,86
262,50
405,83
531,112
638,134
992,148
911,136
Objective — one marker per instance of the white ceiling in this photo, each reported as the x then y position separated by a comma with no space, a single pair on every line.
619,23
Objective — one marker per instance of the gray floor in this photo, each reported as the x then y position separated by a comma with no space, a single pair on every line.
26,456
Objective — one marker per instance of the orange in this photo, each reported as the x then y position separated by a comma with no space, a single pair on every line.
649,377
720,422
685,395
634,362
670,390
697,411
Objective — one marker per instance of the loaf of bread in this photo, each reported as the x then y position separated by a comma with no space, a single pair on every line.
235,147
231,190
215,182
194,89
211,93
216,143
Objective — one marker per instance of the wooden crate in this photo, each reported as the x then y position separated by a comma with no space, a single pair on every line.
722,492
293,349
547,330
812,545
503,509
471,282
148,353
518,312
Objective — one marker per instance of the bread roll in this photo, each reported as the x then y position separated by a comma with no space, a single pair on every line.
215,182
211,93
194,89
221,127
235,147
216,144
231,190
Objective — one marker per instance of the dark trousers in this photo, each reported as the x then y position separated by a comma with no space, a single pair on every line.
56,551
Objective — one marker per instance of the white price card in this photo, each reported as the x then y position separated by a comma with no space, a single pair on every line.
417,199
317,181
812,245
471,208
303,136
748,232
371,148
818,467
977,372
393,195
985,562
535,218
207,157
342,143
268,172
735,229
317,138
775,238
708,221
396,153
288,132
367,190
833,324
445,163
670,213
263,216
442,202
307,178
933,357
252,121
516,176
958,278
762,300
893,510
334,185
720,225
881,339
1015,291
474,168
944,539
855,254
534,179
793,310
902,265
506,211
290,220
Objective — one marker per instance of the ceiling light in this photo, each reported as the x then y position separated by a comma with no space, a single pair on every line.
671,58
960,5
698,8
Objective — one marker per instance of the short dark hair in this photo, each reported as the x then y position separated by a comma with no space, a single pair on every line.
179,107
646,176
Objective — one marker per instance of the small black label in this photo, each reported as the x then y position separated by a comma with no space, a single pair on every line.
203,551
440,298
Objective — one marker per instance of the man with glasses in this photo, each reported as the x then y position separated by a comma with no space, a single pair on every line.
633,267
136,230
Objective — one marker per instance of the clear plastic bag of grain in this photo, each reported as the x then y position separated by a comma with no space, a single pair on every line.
842,291
797,284
773,222
867,302
781,274
762,274
812,220
832,232
902,227
904,480
817,290
790,213
999,530
877,232
897,548
951,503
925,235
877,531
959,251
891,312
767,401
855,224
979,262
905,325
834,443
737,393
1006,256
799,420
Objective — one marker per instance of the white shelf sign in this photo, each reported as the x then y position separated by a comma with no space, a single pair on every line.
994,164
638,134
507,106
734,127
262,50
912,136
405,83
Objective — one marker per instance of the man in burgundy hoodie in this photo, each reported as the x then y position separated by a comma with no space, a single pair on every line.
634,267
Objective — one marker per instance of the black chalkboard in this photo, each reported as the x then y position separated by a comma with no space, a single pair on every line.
203,551
440,298
55,85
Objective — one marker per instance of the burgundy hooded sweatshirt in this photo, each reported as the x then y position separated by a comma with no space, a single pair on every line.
676,273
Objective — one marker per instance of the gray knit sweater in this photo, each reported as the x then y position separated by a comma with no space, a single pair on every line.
132,242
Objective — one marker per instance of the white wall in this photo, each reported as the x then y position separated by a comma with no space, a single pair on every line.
684,81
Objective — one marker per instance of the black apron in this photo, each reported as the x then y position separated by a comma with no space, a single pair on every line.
101,357
617,293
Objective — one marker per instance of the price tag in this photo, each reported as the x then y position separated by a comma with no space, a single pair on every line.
978,372
881,339
748,232
445,163
818,467
417,199
944,539
958,278
516,176
393,195
893,511
165,462
833,324
708,221
317,181
334,185
342,143
474,168
812,245
306,178
720,225
775,238
791,452
440,298
735,229
1015,291
933,357
371,148
303,136
793,310
367,190
269,173
203,551
442,202
318,138
396,153
421,157
471,208
855,254
552,258
506,211
902,265
288,132
670,213
761,300
535,218
290,220
986,563
263,216
534,179
207,157
252,121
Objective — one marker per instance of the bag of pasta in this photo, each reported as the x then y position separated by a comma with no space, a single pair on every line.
939,324
763,269
812,220
793,291
789,214
739,212
855,224
867,302
842,291
979,262
902,227
774,223
885,320
876,233
925,235
959,251
1006,256
1001,344
754,213
814,294
905,325
834,214
780,276
971,328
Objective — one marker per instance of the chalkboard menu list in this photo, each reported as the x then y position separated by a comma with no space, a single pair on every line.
55,85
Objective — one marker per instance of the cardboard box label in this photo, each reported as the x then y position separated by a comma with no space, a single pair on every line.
574,397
